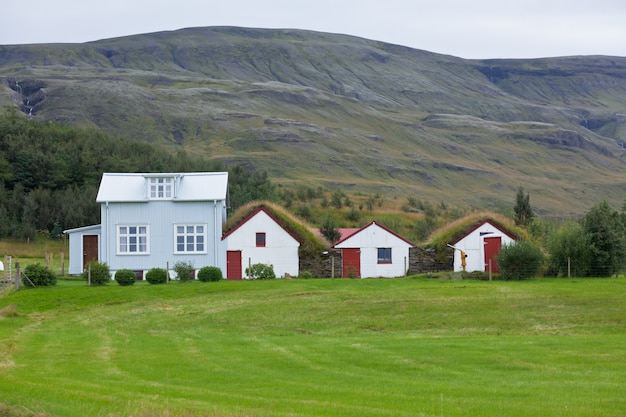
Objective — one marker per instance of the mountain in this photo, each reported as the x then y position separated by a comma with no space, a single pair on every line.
345,112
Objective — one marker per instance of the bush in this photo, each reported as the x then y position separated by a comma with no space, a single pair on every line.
100,273
156,276
38,276
260,271
306,275
184,270
519,260
210,273
125,277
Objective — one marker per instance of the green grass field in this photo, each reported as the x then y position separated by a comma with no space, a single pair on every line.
396,347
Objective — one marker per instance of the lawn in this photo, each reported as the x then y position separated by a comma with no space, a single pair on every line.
379,347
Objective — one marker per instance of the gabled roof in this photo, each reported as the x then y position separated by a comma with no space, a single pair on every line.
189,186
254,213
349,235
487,221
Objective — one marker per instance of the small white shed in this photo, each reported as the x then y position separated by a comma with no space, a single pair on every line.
374,251
481,244
84,244
260,238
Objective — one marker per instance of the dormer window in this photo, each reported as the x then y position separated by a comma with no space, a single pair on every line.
161,188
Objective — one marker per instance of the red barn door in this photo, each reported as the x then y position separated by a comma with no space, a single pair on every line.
233,264
492,248
351,263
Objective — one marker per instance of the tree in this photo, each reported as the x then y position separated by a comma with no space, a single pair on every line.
604,228
523,212
569,251
328,229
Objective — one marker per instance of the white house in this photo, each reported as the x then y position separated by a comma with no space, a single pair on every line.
374,251
259,238
156,220
481,244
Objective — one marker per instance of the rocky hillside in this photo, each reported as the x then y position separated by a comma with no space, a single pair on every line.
339,111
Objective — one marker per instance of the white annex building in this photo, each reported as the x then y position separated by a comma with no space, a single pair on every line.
374,251
259,238
481,244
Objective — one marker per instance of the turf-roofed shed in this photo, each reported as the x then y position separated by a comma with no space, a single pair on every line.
479,237
263,232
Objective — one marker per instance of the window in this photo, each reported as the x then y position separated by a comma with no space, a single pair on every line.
190,238
161,188
260,240
384,255
132,239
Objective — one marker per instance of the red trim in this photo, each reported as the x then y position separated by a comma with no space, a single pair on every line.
491,222
379,225
254,213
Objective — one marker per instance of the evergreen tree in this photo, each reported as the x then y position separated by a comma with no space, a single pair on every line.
523,212
328,229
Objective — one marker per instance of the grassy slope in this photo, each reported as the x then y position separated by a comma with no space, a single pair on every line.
400,347
367,116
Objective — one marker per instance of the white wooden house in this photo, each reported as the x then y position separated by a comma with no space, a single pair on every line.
259,238
374,251
156,220
481,244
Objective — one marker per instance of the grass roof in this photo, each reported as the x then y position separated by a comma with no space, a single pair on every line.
299,228
452,232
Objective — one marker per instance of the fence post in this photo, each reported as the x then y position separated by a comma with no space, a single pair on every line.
17,276
89,275
569,271
489,269
167,272
62,264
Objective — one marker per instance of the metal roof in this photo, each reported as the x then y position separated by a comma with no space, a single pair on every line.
189,186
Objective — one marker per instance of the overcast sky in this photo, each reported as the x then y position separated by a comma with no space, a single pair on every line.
463,28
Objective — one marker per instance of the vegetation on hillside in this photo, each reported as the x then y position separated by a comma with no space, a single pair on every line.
346,113
50,173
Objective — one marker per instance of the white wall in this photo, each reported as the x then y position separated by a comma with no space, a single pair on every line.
473,245
369,240
280,251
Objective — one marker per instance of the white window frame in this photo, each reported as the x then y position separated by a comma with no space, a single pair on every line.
129,235
161,188
190,235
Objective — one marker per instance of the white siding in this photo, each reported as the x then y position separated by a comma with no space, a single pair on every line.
76,247
474,246
280,251
369,240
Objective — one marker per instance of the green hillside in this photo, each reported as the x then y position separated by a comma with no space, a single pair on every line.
346,113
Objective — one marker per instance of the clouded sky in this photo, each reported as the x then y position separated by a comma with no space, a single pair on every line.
463,28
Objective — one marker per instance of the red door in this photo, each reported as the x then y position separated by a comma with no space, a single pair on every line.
90,249
233,264
351,263
492,248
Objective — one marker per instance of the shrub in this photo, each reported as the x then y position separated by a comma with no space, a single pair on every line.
306,275
100,273
125,277
210,273
184,270
519,260
260,271
38,275
156,276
